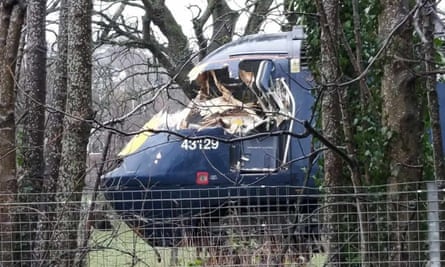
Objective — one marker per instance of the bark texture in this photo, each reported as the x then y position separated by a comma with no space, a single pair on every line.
11,21
331,117
30,183
76,130
260,11
402,115
224,20
57,98
53,144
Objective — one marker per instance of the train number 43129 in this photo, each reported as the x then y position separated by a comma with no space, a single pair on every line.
202,144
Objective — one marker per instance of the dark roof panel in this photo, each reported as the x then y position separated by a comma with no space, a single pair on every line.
284,44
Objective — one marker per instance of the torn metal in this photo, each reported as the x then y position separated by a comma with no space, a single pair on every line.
251,102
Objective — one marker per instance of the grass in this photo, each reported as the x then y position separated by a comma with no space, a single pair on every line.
121,247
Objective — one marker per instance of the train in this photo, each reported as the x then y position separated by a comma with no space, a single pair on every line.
241,142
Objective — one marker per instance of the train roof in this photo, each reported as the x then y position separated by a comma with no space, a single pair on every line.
257,46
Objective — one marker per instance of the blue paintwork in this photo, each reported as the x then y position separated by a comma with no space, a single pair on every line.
441,99
157,183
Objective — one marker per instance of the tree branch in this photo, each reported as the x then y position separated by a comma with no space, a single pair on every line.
258,16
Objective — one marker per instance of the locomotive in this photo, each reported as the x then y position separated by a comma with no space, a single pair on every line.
240,142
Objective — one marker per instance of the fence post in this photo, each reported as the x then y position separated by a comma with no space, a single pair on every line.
433,224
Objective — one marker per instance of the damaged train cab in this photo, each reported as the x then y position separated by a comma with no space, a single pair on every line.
240,140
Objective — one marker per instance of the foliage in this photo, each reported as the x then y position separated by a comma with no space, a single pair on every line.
377,51
370,137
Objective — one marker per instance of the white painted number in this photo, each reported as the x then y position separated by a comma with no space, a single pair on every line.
202,144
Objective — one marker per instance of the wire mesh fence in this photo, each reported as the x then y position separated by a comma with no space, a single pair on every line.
396,225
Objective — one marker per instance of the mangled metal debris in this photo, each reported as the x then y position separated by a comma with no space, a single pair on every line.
240,105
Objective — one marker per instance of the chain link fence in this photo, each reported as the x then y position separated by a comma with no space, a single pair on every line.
396,225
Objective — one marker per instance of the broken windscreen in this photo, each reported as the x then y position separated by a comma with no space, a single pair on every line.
255,98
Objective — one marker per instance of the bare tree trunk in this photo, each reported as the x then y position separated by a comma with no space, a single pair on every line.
76,130
174,58
402,116
57,100
35,90
224,20
53,144
291,15
427,20
11,21
331,118
260,11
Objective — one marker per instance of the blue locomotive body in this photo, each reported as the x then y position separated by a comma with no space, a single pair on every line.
240,140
